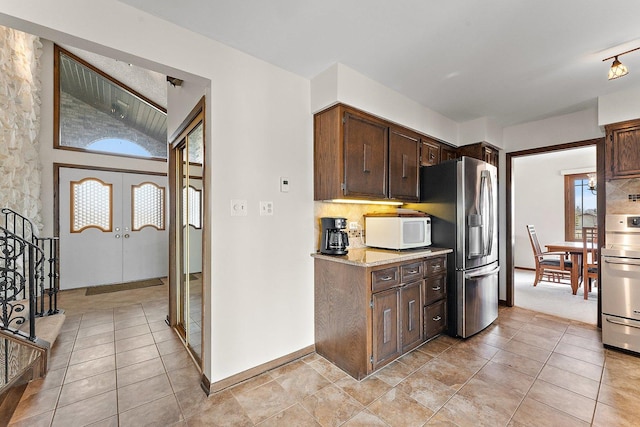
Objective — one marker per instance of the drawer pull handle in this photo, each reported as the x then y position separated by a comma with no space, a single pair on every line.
437,288
386,278
616,322
437,319
412,271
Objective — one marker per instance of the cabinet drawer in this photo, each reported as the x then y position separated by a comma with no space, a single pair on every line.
434,266
410,272
435,318
384,279
435,288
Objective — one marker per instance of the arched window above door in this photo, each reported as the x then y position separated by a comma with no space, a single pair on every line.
118,146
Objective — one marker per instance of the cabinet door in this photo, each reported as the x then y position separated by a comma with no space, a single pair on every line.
386,328
447,153
365,157
431,153
411,315
404,157
490,156
624,152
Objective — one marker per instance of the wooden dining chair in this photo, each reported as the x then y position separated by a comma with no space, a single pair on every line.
552,266
589,258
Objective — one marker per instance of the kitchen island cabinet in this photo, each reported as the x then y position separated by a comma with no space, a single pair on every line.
372,306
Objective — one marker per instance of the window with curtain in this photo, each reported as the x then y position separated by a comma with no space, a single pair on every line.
580,206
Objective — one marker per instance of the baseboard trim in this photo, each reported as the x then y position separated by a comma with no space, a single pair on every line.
217,386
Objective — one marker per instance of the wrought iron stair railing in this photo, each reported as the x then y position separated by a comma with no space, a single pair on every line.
29,285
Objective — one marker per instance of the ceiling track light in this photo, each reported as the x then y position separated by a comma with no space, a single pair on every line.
618,69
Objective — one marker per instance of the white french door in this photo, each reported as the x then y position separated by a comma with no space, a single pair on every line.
113,227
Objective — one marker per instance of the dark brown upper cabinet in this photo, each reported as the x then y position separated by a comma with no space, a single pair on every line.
430,152
359,156
481,151
404,171
447,153
622,150
366,162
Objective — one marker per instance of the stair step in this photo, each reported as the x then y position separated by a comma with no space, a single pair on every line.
47,327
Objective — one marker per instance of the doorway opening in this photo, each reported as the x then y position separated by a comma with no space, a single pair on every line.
536,195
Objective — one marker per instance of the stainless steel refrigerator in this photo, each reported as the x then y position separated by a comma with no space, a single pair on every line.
461,197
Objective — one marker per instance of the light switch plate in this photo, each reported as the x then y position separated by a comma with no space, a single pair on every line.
238,207
266,208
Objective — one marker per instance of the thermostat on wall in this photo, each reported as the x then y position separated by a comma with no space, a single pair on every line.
284,184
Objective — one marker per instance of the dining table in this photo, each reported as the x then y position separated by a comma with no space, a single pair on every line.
575,250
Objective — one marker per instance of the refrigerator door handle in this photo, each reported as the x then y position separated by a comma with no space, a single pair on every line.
485,196
482,274
488,182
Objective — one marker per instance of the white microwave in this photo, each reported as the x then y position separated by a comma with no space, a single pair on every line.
397,232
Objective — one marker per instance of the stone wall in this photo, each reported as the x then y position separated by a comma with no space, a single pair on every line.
20,91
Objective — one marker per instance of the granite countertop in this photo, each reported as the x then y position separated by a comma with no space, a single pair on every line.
370,257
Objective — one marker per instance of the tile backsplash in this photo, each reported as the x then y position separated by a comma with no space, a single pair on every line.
623,196
353,212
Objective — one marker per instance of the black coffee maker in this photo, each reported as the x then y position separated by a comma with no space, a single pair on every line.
333,240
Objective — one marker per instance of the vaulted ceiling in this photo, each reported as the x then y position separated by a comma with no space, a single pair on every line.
99,85
510,60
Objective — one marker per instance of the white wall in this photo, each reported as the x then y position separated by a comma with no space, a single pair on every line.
579,126
482,129
619,106
538,197
260,129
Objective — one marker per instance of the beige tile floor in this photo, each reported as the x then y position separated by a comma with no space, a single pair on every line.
117,363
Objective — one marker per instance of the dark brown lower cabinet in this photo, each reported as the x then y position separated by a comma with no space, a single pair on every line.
386,327
367,316
435,319
411,315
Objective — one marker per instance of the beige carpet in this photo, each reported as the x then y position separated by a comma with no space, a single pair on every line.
554,298
95,290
